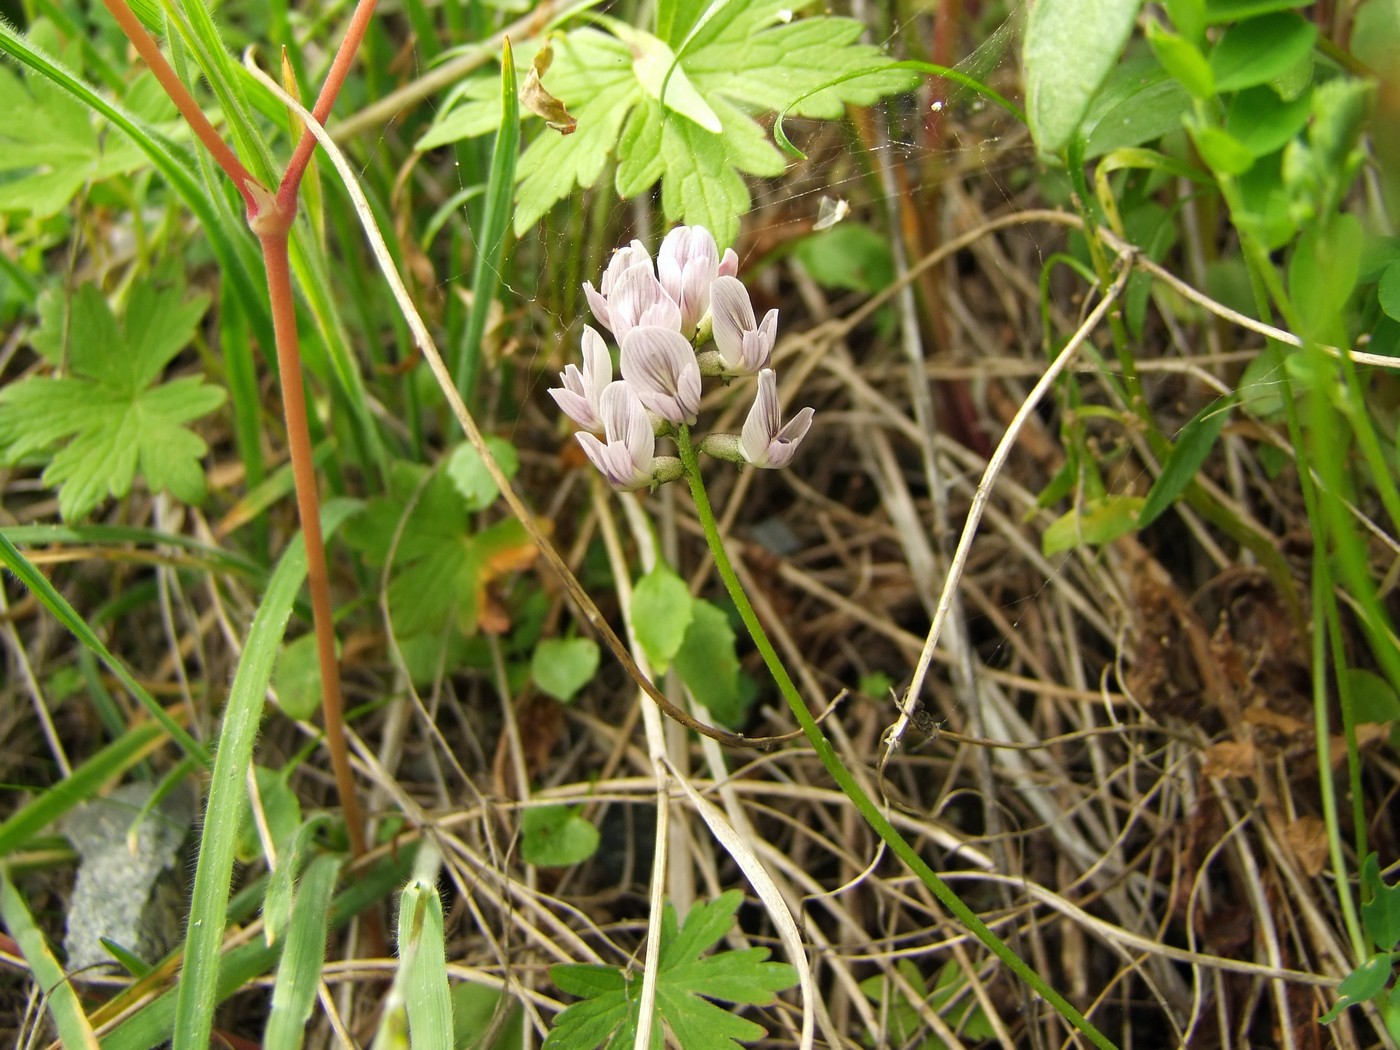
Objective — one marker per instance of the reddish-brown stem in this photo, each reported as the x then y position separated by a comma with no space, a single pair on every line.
271,220
335,80
150,53
279,287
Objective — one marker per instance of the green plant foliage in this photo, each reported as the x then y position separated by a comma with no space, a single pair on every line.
1364,983
298,678
848,256
1263,122
679,106
1388,291
556,837
1069,49
1192,446
903,1023
441,568
686,982
299,970
422,978
662,609
1318,169
281,808
1139,102
474,1010
1097,521
1260,50
709,666
563,666
109,418
1183,60
50,147
1381,914
468,472
1219,12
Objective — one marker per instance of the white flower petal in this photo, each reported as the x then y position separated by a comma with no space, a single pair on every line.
661,367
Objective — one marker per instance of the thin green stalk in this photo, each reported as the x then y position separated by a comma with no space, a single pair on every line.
1267,288
843,777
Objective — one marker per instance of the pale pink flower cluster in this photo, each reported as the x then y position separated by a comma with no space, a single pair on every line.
659,313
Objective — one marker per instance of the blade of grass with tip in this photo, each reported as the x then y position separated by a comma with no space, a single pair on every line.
425,967
74,1029
299,971
49,597
153,1024
495,218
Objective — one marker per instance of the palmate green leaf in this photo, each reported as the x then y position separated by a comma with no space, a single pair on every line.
50,147
441,566
682,110
686,982
111,420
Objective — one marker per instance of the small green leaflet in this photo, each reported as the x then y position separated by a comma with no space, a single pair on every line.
709,666
442,567
662,609
686,982
1381,914
50,147
556,837
105,413
563,666
1198,437
697,135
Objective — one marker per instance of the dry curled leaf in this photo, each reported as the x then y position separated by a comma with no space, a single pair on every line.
1229,758
1307,838
539,101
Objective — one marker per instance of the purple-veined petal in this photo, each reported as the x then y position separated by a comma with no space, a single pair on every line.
626,455
638,299
743,344
634,256
572,401
661,367
686,265
763,442
625,423
580,397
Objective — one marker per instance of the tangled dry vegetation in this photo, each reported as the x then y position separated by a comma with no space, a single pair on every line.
1114,757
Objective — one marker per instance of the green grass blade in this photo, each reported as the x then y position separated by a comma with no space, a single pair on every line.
242,716
49,597
84,782
495,218
153,1024
197,31
420,997
278,902
208,908
299,972
203,556
74,1030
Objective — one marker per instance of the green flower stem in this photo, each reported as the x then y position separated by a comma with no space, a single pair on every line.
843,777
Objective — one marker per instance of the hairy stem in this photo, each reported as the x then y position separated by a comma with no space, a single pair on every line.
279,286
150,53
